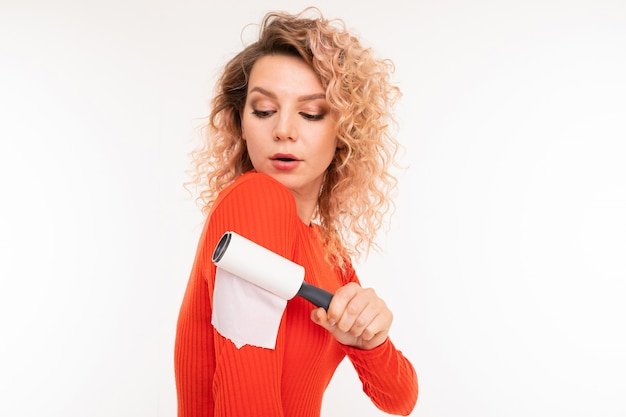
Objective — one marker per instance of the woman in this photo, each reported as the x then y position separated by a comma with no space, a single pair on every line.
296,160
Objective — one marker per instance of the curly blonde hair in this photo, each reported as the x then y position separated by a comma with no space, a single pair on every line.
355,195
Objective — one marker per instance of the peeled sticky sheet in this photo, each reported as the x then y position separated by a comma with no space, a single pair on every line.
252,286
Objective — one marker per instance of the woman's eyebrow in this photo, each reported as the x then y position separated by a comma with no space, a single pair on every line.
310,97
307,97
263,91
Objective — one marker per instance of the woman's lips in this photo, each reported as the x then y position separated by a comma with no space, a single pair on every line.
284,162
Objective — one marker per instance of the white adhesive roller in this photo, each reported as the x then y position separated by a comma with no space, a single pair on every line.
266,269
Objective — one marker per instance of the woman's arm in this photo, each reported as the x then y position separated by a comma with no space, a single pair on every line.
247,381
360,321
388,378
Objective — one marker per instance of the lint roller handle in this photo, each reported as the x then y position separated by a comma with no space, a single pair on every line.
316,295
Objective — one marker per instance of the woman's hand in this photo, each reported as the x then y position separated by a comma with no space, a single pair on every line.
356,317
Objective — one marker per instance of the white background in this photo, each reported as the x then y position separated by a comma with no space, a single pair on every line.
504,264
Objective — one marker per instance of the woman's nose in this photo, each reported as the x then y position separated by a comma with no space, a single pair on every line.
285,128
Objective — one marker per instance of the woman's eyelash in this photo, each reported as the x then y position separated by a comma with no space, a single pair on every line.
308,116
262,113
312,117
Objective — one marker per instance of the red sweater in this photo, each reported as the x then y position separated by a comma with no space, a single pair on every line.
214,378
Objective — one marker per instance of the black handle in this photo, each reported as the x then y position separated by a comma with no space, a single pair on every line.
318,296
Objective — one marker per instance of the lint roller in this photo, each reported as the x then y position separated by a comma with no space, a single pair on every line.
266,269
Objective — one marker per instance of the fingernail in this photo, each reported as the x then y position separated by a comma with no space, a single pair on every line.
332,322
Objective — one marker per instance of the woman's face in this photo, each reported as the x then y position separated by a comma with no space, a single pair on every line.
288,125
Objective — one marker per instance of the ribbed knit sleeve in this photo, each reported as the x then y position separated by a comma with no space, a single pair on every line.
246,381
388,378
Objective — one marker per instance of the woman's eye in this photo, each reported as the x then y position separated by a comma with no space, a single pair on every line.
312,117
262,113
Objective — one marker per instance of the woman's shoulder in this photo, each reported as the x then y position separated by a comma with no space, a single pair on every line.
254,183
259,208
254,178
259,191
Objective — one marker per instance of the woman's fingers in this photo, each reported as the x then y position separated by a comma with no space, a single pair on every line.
356,316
